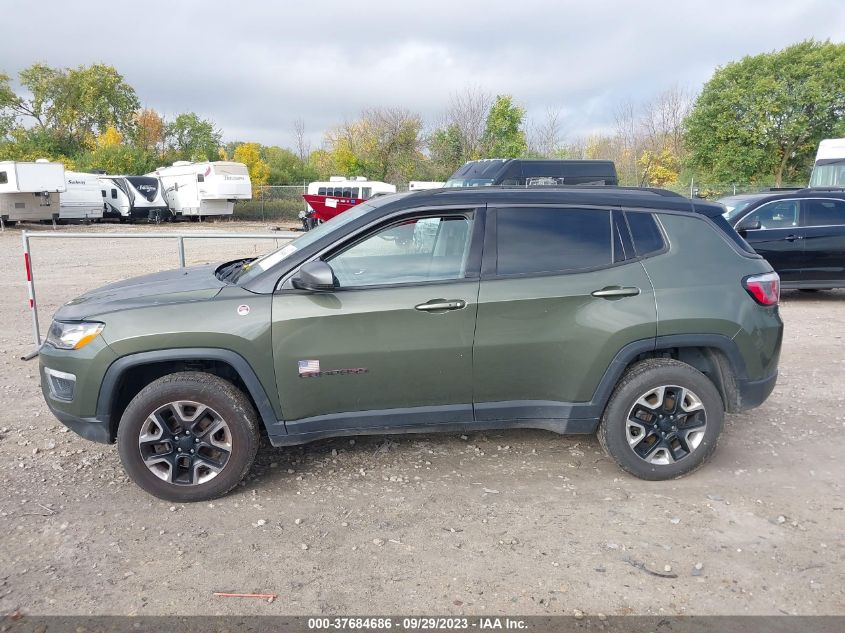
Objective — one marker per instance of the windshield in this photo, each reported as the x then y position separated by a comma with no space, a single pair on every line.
258,266
735,206
830,173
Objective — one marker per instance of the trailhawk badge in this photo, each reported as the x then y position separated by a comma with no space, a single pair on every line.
311,369
243,309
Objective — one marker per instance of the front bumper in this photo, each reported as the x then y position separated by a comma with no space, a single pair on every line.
88,365
88,428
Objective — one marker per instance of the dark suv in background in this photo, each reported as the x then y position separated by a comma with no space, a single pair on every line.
801,233
637,314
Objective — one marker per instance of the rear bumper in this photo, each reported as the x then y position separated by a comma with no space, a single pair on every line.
753,393
89,428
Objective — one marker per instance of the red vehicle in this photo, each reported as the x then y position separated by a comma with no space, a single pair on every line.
328,199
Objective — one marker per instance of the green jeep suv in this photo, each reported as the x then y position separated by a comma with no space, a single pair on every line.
634,313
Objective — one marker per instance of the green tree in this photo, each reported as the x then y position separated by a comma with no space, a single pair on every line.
189,137
286,168
117,159
384,144
503,134
7,100
763,116
446,151
75,105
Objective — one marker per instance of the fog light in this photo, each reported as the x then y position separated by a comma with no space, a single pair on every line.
61,384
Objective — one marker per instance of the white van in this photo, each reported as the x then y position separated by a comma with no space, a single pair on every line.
829,168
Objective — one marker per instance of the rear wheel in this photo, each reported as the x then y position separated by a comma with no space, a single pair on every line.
188,436
663,420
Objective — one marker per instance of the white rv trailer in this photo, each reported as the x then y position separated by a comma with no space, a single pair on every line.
134,198
202,189
829,168
419,185
30,191
84,197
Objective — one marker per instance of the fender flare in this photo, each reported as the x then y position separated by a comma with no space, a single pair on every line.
629,352
118,368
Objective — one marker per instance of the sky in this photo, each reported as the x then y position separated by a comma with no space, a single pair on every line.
255,67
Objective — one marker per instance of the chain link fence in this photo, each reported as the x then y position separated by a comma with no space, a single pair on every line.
714,191
272,202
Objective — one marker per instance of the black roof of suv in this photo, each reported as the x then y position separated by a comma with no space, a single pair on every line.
533,172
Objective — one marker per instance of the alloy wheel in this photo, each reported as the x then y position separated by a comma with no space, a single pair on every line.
666,424
185,443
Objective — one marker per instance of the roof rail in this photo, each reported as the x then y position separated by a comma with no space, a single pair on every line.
652,190
822,190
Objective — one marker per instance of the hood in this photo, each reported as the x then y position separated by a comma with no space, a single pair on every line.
171,286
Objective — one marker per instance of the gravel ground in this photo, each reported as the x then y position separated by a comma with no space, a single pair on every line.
522,522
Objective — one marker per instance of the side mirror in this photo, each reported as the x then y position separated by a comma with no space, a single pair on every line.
748,225
316,276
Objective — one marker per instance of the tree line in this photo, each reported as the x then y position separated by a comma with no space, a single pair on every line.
757,120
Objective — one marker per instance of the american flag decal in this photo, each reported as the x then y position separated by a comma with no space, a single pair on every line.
308,367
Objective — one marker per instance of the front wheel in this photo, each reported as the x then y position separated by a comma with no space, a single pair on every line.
188,436
663,420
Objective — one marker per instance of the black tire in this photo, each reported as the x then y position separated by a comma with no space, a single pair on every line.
638,381
224,401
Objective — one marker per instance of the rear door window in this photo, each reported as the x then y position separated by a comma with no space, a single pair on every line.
542,240
825,212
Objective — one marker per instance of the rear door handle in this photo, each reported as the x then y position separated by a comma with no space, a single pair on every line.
441,305
613,292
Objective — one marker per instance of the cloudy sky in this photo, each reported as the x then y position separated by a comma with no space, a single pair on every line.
254,67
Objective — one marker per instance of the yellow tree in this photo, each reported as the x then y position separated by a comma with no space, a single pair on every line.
250,155
659,168
149,129
110,138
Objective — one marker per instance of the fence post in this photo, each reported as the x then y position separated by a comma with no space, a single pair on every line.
27,260
181,251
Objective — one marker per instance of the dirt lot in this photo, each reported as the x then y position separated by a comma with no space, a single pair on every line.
507,522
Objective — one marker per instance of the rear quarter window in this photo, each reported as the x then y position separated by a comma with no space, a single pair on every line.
645,233
725,227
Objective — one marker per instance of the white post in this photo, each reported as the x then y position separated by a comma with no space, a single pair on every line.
30,282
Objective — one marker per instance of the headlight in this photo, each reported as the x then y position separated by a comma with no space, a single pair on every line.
73,335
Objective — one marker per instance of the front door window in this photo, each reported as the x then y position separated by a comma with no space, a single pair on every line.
418,250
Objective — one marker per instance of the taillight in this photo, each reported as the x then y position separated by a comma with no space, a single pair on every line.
764,289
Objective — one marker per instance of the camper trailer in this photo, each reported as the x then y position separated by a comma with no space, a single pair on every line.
829,168
203,189
83,198
134,198
30,191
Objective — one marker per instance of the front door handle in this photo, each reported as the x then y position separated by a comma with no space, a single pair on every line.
441,305
614,292
792,238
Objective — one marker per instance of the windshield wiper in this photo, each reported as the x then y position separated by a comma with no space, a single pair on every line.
230,272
